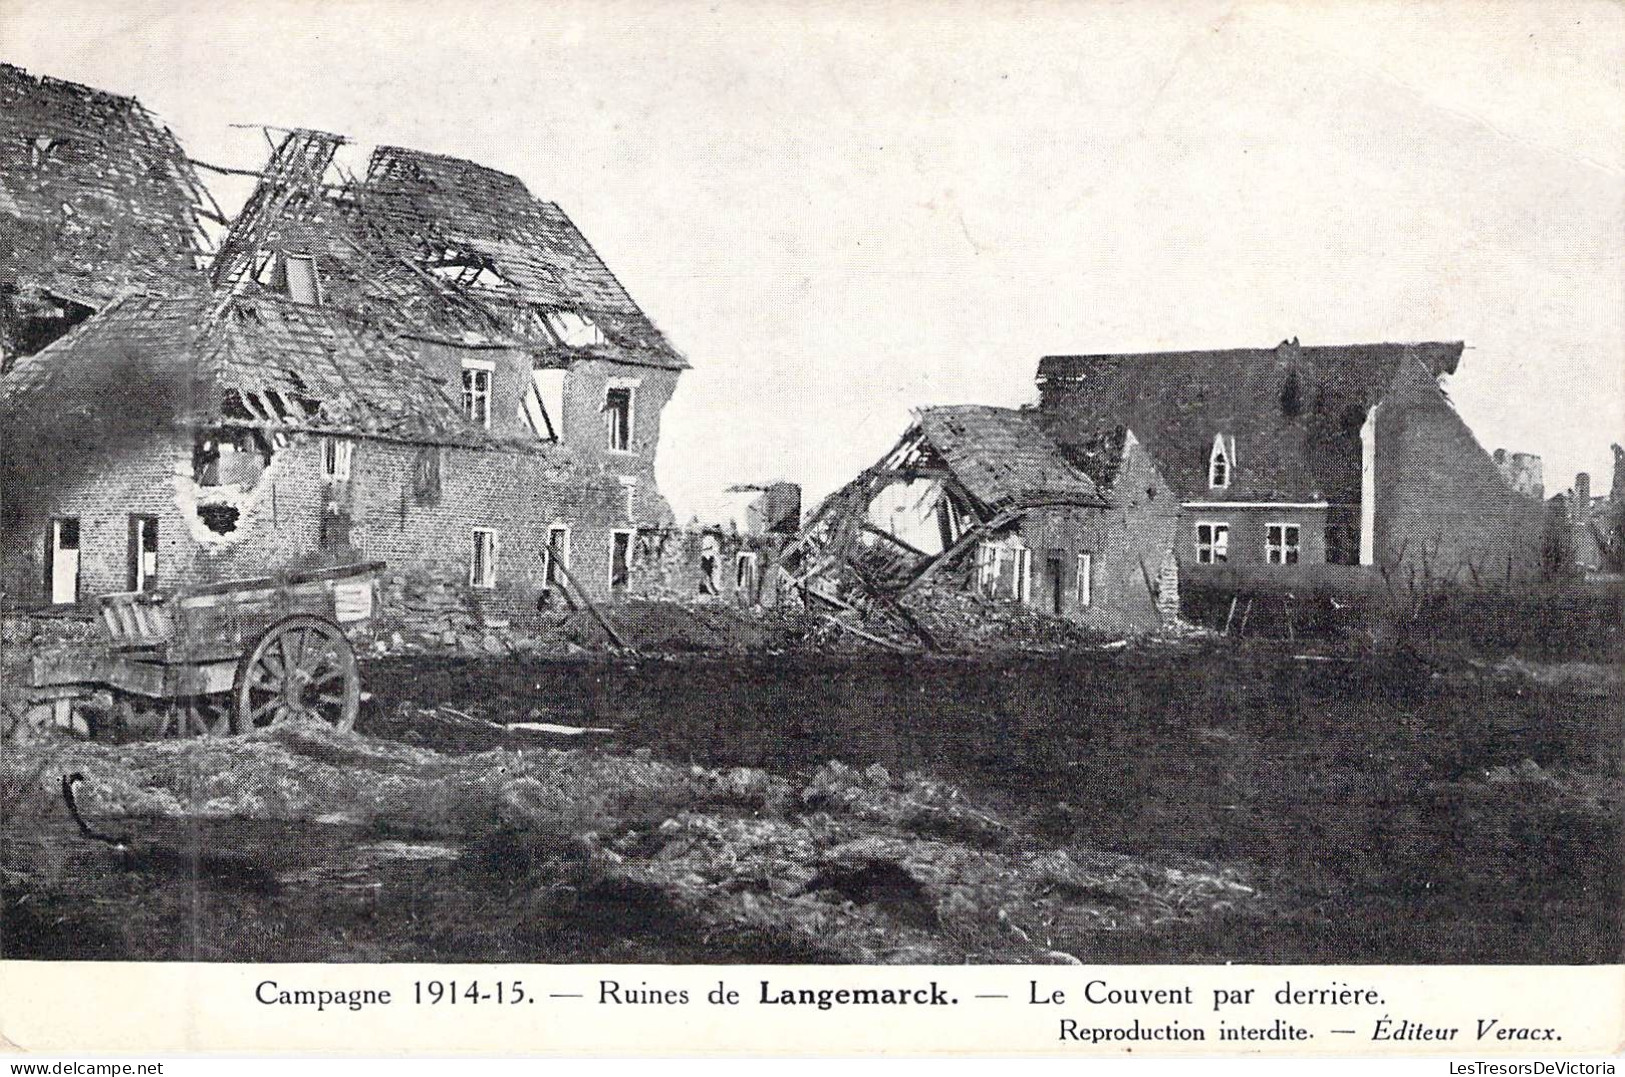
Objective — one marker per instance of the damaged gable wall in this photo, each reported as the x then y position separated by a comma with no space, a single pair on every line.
1446,513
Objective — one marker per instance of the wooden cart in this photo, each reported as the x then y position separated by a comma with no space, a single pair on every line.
233,656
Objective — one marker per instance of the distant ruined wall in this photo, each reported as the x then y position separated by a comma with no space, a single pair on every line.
671,564
1445,513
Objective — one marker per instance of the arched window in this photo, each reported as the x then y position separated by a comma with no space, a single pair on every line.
1220,463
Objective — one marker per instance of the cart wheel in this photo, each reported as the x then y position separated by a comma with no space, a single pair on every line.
303,665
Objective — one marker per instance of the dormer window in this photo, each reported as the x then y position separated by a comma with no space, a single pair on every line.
1221,462
292,274
477,391
573,328
303,285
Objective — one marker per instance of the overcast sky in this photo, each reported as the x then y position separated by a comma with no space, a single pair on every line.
842,211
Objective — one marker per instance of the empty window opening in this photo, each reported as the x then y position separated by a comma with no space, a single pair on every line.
745,570
1004,570
482,562
336,455
1220,463
618,406
620,559
1212,543
143,567
477,391
1086,579
300,278
232,457
549,386
62,566
544,404
1281,544
557,556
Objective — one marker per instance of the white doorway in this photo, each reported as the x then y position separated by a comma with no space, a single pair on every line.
64,565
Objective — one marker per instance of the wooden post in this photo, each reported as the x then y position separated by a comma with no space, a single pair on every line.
592,606
1231,616
1242,631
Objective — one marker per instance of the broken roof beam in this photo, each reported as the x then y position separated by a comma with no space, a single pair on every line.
896,540
966,540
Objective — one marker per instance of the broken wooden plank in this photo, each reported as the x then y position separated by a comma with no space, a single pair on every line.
550,727
592,607
871,637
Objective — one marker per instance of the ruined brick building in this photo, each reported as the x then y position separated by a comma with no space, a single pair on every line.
96,198
1292,458
982,499
420,364
1593,525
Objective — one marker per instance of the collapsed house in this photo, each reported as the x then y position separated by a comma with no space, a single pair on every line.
1292,461
420,364
981,499
96,199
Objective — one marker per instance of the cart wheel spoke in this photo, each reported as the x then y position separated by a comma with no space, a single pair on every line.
318,659
262,710
271,662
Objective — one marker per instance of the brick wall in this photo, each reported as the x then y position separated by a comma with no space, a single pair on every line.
585,438
1128,544
667,563
517,495
1445,512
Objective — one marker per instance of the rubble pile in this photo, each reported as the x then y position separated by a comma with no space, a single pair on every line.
965,621
841,863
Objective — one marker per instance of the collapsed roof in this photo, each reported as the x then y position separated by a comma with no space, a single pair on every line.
432,244
255,362
96,196
1295,412
1003,458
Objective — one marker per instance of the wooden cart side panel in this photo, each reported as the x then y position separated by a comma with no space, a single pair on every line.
155,680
